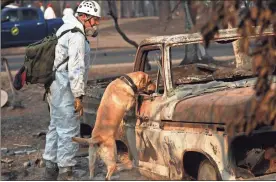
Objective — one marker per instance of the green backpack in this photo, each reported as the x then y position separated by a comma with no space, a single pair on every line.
39,60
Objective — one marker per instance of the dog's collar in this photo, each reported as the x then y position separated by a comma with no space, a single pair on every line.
129,82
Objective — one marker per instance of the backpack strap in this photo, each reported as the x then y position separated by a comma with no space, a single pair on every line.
78,30
64,32
73,30
52,78
64,61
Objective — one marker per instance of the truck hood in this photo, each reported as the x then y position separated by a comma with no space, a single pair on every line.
219,107
218,102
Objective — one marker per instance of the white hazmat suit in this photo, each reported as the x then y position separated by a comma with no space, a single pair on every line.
68,11
71,78
49,13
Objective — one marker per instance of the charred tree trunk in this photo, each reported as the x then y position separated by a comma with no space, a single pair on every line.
164,11
149,8
196,51
113,8
57,7
132,10
154,8
126,7
143,9
124,10
237,53
175,7
140,7
119,9
242,60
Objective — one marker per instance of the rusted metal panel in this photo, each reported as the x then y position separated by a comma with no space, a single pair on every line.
225,34
150,109
196,127
166,147
172,145
219,107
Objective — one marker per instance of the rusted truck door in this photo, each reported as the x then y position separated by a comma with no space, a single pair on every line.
147,128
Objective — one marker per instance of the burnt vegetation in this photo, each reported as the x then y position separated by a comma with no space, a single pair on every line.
262,109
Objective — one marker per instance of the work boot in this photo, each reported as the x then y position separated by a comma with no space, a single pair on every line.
66,174
51,171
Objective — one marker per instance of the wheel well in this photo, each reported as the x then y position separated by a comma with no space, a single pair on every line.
191,162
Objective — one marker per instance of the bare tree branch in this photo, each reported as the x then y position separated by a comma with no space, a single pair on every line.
164,11
115,18
170,15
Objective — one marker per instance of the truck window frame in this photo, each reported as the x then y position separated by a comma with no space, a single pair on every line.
140,64
168,47
21,15
6,12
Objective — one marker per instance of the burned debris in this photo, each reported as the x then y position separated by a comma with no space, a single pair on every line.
255,153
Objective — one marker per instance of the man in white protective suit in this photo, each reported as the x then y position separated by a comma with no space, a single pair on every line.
49,12
67,90
68,10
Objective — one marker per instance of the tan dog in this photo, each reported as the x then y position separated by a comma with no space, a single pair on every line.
118,98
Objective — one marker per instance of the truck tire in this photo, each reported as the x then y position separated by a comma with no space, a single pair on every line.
207,171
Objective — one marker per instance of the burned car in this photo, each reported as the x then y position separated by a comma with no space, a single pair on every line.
180,131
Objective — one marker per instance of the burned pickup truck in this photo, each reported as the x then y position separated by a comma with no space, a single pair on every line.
180,131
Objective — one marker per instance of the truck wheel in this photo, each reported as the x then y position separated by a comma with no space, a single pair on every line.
207,171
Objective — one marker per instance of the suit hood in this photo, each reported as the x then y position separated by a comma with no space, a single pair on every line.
72,20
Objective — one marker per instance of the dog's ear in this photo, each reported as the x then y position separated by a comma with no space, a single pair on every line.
143,80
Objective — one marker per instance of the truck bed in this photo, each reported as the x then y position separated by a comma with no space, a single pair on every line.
94,92
95,88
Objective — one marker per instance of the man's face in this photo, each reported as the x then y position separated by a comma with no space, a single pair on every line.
91,21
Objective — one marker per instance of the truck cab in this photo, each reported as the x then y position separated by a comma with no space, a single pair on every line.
24,25
181,130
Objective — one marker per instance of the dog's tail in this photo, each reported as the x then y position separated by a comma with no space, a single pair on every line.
82,140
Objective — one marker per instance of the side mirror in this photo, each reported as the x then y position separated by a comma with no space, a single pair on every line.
5,19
